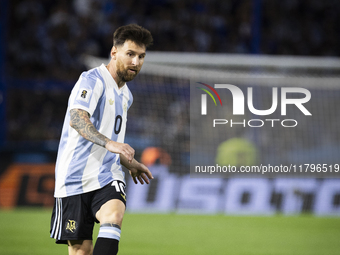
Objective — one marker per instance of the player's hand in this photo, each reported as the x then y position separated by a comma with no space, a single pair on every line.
140,173
121,148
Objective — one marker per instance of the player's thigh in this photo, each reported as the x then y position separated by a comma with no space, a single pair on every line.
80,247
111,212
108,204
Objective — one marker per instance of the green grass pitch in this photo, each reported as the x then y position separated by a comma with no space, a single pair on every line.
26,232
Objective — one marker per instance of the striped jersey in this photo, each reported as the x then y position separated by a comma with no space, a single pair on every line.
83,166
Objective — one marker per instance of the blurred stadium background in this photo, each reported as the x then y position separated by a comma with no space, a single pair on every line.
44,47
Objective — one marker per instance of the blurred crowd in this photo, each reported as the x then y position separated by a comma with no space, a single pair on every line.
47,38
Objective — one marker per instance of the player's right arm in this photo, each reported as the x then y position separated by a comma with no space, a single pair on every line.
80,121
138,171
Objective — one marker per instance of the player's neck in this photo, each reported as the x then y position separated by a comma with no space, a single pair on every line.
114,75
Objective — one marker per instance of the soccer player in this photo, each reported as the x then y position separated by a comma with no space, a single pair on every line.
90,183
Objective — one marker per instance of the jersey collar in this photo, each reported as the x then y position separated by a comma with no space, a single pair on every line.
110,81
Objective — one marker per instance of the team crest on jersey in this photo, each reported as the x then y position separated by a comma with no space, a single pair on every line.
84,95
111,101
71,226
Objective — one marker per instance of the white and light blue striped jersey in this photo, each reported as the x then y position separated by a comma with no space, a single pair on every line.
83,166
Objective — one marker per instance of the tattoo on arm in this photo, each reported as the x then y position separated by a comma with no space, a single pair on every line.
80,121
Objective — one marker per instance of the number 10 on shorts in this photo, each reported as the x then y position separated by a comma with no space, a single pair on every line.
120,187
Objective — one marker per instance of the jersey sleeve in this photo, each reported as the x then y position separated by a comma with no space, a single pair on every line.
86,93
130,99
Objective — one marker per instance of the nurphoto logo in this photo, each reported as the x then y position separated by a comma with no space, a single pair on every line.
238,106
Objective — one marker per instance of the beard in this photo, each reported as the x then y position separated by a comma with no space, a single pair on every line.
124,74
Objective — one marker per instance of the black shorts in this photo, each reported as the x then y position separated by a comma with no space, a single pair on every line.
73,217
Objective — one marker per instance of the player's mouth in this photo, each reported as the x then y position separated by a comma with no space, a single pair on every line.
132,71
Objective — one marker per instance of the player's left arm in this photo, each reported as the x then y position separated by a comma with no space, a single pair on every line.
138,171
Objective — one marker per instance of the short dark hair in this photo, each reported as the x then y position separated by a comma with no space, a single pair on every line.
133,32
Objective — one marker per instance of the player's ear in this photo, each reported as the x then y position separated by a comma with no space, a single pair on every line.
113,52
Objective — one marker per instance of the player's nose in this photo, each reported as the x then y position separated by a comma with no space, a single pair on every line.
135,61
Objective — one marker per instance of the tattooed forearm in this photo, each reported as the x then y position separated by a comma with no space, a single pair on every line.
80,121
